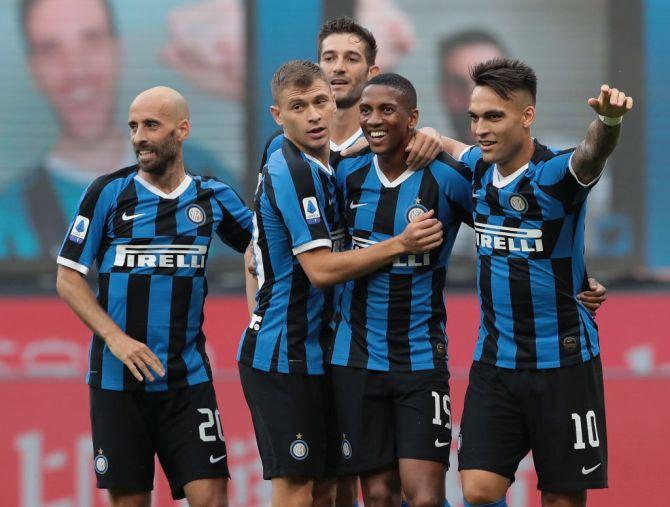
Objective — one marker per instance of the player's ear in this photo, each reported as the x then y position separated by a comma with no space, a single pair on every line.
413,118
373,71
528,116
274,110
183,130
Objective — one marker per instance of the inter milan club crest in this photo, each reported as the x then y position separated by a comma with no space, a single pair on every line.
518,203
100,463
415,210
299,448
195,214
346,447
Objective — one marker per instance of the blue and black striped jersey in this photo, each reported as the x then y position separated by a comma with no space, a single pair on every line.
295,210
529,230
394,318
151,250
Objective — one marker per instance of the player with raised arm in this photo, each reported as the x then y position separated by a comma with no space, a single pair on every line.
536,380
390,375
297,224
149,227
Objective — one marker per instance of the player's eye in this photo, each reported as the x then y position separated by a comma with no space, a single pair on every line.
388,110
296,107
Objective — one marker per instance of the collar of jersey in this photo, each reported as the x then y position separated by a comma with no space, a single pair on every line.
500,181
385,181
348,142
328,169
172,195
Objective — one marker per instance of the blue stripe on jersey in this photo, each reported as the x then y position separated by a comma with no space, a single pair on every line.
160,296
421,352
544,301
112,368
502,302
197,372
370,194
377,345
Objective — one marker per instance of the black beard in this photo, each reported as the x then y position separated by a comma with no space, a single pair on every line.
347,102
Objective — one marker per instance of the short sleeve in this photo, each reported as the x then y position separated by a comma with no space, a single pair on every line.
557,179
470,156
87,229
300,201
236,226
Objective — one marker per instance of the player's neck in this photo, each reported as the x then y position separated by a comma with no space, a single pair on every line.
96,155
321,154
345,124
519,160
393,164
168,181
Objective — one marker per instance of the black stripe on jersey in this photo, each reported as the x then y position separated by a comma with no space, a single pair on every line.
460,167
200,347
544,154
569,323
166,217
429,193
534,212
521,300
359,321
203,200
551,231
237,236
331,198
182,287
274,362
98,344
326,331
490,347
71,249
385,213
125,203
480,169
296,321
137,318
354,190
264,158
438,315
399,316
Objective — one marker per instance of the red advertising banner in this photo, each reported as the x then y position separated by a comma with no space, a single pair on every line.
45,447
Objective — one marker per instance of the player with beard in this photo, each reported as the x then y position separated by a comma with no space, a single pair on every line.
149,227
347,54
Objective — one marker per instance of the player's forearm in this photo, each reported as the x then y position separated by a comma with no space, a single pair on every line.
331,268
74,290
453,147
590,156
251,287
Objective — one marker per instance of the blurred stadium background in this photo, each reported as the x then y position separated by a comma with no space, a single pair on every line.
68,74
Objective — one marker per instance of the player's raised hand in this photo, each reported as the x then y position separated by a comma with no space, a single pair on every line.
424,147
611,102
423,234
136,356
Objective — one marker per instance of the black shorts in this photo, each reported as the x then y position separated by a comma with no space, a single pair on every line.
387,415
181,426
293,421
557,413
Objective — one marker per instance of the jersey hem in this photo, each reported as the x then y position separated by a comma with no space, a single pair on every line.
264,366
544,365
413,367
312,245
115,386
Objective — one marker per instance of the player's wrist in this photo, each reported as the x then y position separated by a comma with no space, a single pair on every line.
610,121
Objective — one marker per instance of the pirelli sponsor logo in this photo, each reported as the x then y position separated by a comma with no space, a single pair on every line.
509,239
402,261
160,256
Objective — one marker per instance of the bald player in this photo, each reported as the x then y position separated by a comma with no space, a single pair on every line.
149,228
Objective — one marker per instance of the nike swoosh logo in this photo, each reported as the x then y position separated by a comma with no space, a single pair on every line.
587,471
126,217
354,206
212,459
440,444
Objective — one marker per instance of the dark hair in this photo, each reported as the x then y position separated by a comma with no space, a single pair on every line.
299,73
504,76
27,6
348,25
397,82
466,38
